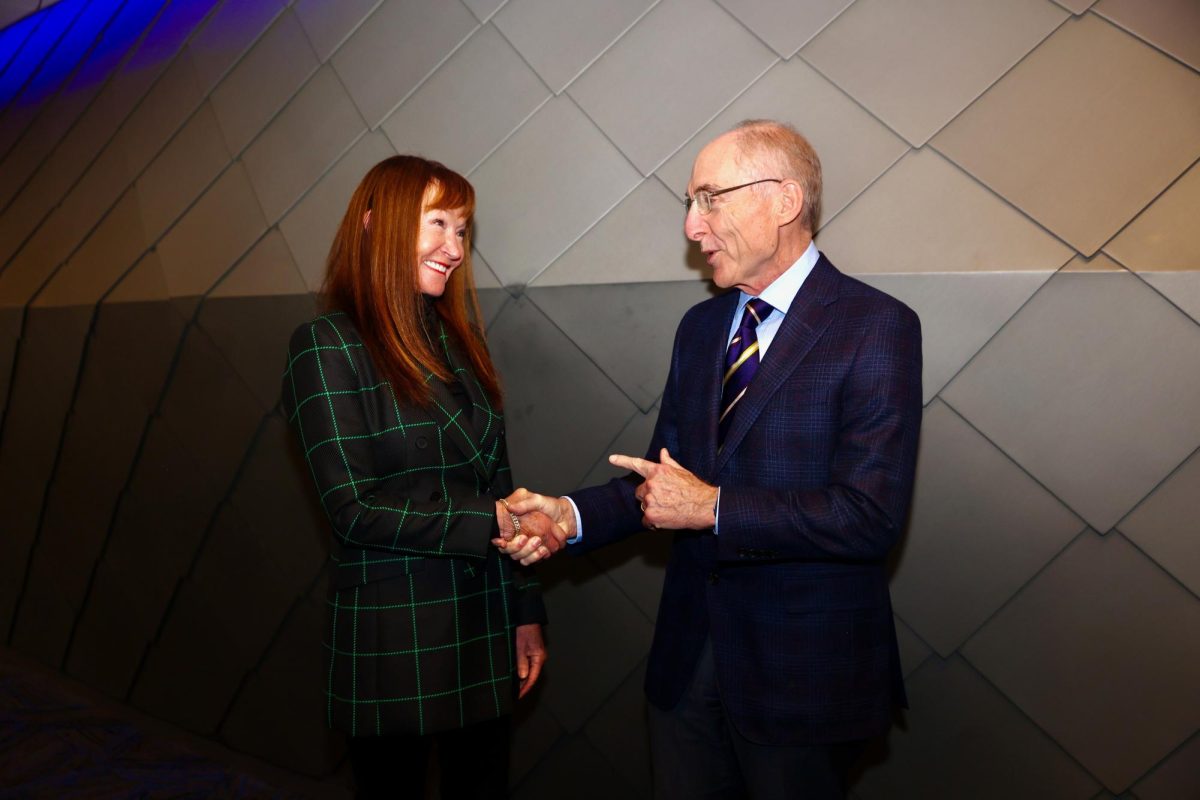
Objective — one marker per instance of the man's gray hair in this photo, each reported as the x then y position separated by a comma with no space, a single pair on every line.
779,147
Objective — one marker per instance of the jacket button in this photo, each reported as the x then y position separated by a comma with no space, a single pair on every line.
435,496
713,578
422,443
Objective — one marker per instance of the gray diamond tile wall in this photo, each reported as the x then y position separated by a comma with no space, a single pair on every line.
965,739
1064,126
855,148
980,529
559,40
309,135
272,71
926,215
396,48
1096,615
637,241
627,330
165,215
1170,25
786,25
1092,388
916,65
526,217
959,313
1164,524
329,24
553,397
643,93
311,223
494,91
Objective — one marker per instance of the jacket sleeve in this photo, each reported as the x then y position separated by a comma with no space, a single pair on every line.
330,399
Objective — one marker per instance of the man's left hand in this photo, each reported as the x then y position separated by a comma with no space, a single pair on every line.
671,496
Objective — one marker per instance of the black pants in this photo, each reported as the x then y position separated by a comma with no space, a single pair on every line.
698,753
472,763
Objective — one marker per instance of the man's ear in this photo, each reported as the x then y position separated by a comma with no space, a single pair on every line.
367,220
791,202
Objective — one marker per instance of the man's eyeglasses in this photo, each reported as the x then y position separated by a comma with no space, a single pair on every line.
703,198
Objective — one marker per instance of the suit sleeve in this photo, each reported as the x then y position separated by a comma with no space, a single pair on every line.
326,387
859,514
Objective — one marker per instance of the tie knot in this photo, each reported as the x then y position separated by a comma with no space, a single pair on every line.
756,311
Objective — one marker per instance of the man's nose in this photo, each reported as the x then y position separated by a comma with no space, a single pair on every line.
694,226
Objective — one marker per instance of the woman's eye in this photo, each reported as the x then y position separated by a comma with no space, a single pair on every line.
462,234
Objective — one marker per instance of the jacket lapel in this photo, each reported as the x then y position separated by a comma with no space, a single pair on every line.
458,421
806,321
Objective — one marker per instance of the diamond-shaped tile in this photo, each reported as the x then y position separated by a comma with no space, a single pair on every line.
1165,236
1091,388
560,39
853,146
959,313
1076,6
310,225
396,48
916,65
785,25
980,528
640,240
305,139
328,24
1071,121
1101,637
559,409
1164,524
594,653
192,258
1177,777
926,215
1181,288
618,730
115,245
913,651
526,215
644,91
181,172
493,91
227,35
263,81
1170,25
627,330
964,739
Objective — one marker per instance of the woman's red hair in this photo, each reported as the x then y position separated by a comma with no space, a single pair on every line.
372,276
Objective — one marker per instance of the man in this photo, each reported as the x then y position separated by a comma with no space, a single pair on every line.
783,459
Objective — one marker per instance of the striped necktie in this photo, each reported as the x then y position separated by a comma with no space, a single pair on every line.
741,362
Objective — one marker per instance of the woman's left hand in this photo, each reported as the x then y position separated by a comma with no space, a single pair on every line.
531,654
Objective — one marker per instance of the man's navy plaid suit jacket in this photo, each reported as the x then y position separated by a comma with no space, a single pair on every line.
816,477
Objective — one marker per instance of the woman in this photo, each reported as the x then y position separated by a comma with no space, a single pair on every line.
396,404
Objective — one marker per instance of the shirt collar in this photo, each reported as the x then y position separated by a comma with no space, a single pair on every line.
783,290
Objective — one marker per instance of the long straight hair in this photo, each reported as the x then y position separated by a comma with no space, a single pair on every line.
371,275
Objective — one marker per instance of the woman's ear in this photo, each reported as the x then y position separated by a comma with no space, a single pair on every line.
367,220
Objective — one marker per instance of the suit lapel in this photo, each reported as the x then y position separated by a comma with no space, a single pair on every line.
712,356
457,420
806,321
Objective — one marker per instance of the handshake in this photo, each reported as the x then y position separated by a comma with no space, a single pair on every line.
535,526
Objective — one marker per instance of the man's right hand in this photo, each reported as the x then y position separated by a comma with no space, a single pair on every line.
546,525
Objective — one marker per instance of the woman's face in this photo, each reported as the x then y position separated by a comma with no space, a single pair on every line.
440,246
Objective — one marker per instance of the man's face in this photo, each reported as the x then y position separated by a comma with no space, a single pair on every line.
739,236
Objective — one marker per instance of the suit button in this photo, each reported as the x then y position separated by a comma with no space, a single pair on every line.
422,443
713,578
435,496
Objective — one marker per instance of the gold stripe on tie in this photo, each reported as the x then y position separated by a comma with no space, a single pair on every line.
732,403
751,350
753,313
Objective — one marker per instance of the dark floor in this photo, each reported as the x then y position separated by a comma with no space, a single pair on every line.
58,740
